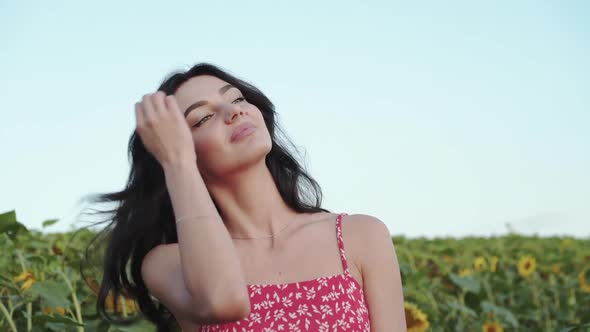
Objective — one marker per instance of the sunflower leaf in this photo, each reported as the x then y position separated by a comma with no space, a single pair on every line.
455,305
55,294
9,225
500,311
468,283
574,328
49,222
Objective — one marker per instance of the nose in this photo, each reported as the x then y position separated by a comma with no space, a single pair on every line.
228,110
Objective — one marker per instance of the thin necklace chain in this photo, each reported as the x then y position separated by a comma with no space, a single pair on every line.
269,236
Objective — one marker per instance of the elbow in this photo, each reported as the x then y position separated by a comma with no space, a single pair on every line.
232,308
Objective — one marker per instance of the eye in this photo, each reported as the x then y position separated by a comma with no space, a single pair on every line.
202,120
239,99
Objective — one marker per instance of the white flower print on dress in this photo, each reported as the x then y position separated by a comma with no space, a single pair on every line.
331,303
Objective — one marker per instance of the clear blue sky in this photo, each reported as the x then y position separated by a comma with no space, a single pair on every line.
439,118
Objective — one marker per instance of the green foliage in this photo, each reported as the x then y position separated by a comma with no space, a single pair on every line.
41,288
439,276
454,282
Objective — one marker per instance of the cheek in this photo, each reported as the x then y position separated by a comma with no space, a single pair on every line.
254,110
255,113
207,144
204,146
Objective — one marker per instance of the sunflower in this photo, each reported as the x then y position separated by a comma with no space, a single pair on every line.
28,278
50,310
492,327
131,305
583,279
57,249
480,264
93,285
493,263
566,244
416,320
465,272
527,265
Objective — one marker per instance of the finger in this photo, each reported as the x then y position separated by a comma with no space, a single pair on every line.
148,109
139,118
147,105
173,106
158,102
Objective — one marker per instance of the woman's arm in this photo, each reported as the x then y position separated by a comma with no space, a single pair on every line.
211,271
382,283
210,262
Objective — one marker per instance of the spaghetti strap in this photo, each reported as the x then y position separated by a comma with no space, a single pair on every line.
341,242
309,305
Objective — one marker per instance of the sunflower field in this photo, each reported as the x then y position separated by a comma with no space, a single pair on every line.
491,284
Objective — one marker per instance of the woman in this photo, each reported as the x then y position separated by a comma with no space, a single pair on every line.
224,228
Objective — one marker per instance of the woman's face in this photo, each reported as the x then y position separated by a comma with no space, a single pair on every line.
213,110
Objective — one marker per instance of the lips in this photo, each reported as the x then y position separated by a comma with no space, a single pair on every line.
240,129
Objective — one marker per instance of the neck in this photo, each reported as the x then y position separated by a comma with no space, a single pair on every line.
250,204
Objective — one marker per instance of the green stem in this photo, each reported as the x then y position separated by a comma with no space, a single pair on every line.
462,302
536,296
21,260
8,317
572,304
488,289
29,305
30,312
546,314
553,284
74,299
433,302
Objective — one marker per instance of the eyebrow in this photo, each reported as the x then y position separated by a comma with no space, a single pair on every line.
200,103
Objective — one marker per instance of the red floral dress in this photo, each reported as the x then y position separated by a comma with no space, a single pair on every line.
332,303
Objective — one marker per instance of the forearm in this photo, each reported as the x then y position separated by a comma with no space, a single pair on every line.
210,264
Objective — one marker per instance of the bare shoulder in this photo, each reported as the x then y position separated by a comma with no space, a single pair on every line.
360,232
363,226
382,284
360,219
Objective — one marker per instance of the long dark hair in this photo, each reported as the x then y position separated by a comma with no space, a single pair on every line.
143,216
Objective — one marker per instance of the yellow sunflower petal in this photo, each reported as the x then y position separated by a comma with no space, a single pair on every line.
27,284
493,263
480,263
492,327
465,272
110,302
61,310
527,265
24,275
93,285
416,320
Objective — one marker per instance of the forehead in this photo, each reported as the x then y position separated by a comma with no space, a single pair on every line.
198,88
